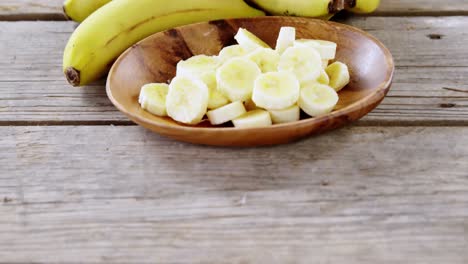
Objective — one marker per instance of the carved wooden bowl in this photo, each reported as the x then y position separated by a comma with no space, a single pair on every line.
154,60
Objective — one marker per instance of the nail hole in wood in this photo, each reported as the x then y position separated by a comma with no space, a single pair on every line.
435,36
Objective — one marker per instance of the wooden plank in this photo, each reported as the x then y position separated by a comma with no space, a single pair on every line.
52,9
123,194
422,7
431,81
31,10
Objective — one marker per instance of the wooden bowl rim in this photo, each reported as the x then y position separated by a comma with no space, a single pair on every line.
373,98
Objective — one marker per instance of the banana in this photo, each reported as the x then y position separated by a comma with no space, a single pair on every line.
287,115
153,98
248,40
323,9
323,78
236,78
215,99
307,8
286,38
226,113
116,26
187,100
304,62
79,10
339,75
197,65
364,6
266,59
327,49
325,63
317,99
231,52
276,90
253,119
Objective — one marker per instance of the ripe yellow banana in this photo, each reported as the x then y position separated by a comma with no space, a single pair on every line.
363,6
323,9
308,8
112,29
79,10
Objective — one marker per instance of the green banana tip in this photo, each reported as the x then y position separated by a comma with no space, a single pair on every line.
73,76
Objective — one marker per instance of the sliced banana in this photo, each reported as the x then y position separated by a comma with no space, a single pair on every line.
216,98
236,78
276,90
266,59
226,113
253,119
327,49
339,75
306,43
325,63
197,65
304,62
317,99
286,38
323,78
153,98
248,40
230,52
290,114
187,100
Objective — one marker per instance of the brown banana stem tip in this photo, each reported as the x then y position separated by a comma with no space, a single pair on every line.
336,6
73,76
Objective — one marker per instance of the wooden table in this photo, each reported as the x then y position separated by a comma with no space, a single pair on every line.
80,182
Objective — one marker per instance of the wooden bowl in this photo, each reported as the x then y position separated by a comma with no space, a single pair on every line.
154,60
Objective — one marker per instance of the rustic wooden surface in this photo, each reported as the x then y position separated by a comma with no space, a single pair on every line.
81,183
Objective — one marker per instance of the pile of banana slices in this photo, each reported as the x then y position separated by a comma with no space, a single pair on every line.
252,85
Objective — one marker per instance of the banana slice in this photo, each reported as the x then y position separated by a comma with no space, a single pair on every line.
197,65
325,63
304,62
216,98
317,99
323,78
339,75
287,115
250,105
266,59
276,90
236,78
253,119
226,113
230,52
327,49
248,40
153,98
187,100
286,38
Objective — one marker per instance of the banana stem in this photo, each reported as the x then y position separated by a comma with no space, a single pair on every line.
336,6
73,76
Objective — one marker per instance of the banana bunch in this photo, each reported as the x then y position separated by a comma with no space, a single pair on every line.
110,27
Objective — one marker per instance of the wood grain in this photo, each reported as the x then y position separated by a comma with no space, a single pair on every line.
123,194
31,10
52,9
